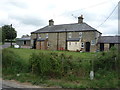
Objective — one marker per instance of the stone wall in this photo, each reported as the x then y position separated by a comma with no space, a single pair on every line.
106,47
38,45
52,40
61,41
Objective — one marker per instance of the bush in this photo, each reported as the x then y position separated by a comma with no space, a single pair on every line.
44,64
106,60
54,65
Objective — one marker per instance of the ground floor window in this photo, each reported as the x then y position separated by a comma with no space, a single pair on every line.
111,45
82,45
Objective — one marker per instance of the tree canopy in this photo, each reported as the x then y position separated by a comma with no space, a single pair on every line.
8,32
0,34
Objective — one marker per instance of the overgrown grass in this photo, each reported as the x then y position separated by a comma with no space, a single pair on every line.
62,68
25,53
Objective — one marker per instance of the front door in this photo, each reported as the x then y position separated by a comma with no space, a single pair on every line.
87,46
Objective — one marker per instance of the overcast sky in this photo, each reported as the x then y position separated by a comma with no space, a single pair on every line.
29,15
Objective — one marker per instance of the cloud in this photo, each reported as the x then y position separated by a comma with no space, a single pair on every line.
30,15
18,4
29,20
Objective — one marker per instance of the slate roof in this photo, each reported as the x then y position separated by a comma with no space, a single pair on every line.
73,39
109,39
22,39
65,27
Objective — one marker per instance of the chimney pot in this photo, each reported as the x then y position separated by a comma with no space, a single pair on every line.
80,19
51,22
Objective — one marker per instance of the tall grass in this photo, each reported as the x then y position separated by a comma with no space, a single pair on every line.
13,62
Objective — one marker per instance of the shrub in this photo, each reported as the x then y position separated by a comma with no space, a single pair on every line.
54,65
44,64
106,60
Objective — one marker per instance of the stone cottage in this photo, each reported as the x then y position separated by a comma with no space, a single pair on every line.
73,37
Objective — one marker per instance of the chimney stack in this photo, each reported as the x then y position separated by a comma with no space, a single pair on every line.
51,22
80,19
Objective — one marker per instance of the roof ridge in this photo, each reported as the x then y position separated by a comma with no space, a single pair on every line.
62,28
68,24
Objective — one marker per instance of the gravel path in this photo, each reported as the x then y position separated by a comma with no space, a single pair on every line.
16,84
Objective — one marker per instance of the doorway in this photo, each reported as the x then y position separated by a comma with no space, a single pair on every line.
101,46
87,46
34,43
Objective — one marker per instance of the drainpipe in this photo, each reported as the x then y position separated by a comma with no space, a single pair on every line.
57,41
11,34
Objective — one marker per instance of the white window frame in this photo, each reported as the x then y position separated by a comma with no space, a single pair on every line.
39,37
46,35
80,34
93,42
82,44
69,35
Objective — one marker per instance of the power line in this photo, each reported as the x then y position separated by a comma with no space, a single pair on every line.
95,5
91,6
107,17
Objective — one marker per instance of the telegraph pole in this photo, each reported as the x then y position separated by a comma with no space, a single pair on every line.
11,33
66,40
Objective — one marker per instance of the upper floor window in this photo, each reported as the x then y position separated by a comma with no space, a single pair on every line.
80,34
39,36
93,42
46,35
69,35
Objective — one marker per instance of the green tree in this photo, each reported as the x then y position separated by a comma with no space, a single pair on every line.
8,32
0,35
